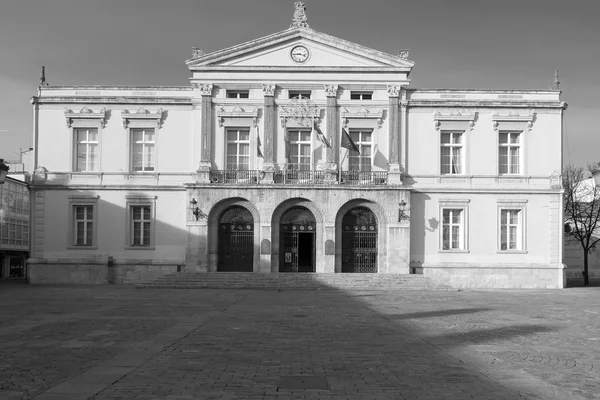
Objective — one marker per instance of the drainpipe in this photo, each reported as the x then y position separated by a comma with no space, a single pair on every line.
111,269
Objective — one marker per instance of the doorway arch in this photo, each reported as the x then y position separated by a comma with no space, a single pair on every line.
236,240
297,228
359,241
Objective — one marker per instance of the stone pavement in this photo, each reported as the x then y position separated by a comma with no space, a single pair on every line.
118,342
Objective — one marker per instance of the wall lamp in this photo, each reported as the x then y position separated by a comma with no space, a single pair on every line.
3,171
196,210
402,215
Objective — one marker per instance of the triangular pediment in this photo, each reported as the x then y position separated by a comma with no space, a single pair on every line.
322,51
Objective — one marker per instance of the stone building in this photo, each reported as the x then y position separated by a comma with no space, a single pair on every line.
298,152
14,228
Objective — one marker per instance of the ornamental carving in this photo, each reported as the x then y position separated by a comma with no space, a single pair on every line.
142,114
393,90
454,114
205,88
301,110
525,115
268,89
331,90
299,20
403,54
554,179
87,114
237,111
197,52
361,112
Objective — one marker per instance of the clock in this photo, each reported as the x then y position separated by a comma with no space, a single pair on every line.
299,54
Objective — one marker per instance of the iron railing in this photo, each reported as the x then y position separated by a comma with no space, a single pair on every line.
300,177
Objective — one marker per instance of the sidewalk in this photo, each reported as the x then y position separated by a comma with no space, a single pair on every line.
116,342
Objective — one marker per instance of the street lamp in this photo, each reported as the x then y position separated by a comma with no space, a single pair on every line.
3,171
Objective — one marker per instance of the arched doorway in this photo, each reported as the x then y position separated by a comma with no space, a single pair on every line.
359,241
297,240
236,240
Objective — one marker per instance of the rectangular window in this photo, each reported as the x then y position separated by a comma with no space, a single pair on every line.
452,229
361,95
84,225
238,149
451,153
141,223
510,230
142,150
300,142
238,94
86,152
362,161
509,153
303,94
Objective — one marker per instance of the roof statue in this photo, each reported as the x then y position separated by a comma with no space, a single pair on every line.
43,78
197,52
555,85
299,20
403,54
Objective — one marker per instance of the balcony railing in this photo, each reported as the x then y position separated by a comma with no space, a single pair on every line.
300,177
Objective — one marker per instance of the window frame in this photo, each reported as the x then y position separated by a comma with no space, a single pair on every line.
521,207
140,201
76,143
238,142
298,143
132,146
508,146
360,94
299,94
360,143
75,124
463,206
82,201
451,146
240,94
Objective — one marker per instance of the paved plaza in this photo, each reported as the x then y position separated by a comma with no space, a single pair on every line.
119,342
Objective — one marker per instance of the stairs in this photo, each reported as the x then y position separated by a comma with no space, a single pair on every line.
292,281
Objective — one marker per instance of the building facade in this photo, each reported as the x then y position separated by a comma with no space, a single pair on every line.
298,152
14,228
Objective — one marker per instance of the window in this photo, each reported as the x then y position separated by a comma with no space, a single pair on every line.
238,149
451,153
83,217
361,95
452,229
362,161
301,94
299,142
142,150
86,157
141,222
238,94
510,230
509,153
84,225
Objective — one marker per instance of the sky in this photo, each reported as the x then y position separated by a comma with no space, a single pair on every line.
476,44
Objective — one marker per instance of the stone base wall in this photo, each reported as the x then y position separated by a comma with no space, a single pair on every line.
524,276
97,273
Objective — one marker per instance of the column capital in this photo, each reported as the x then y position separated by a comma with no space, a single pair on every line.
205,88
393,90
331,90
268,89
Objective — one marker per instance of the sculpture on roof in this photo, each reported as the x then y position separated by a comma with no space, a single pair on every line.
555,84
299,20
43,78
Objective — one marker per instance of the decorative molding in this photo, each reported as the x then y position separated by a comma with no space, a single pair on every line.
455,114
268,89
299,20
554,179
197,52
403,54
331,90
302,111
514,115
393,90
237,111
362,112
40,174
205,88
142,114
85,113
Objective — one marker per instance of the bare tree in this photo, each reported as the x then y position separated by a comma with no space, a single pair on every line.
582,209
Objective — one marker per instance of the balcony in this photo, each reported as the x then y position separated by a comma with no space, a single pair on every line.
299,177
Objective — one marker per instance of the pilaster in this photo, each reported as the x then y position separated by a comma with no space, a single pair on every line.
332,153
394,134
403,130
205,131
270,128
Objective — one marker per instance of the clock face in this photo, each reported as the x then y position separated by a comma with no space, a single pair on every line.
299,54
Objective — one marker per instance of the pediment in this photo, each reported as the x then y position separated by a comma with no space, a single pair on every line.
275,51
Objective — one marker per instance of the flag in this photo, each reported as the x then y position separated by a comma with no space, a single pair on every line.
258,152
320,135
347,142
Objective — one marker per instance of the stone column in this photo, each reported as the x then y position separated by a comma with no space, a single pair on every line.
394,133
205,132
403,129
332,154
270,130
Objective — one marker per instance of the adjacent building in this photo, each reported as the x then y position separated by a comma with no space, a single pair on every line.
298,152
14,228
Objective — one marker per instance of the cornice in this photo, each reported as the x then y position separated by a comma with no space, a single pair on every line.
283,68
87,114
236,111
111,100
455,114
142,114
485,104
360,112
